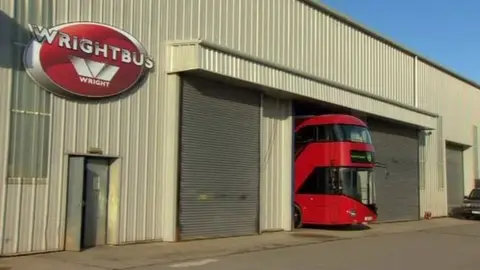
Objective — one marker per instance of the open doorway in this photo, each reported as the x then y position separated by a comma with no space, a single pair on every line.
328,191
87,202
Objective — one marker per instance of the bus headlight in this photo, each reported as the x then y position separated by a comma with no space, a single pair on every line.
352,212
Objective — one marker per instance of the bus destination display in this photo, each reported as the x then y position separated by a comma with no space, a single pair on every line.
361,156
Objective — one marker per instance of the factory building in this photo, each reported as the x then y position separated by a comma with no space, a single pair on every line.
135,121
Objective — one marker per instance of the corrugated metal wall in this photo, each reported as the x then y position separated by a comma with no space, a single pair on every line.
454,100
276,164
287,32
6,71
221,62
476,156
451,98
292,33
136,129
469,169
432,173
27,190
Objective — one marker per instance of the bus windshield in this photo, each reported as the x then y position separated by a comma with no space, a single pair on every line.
358,184
351,133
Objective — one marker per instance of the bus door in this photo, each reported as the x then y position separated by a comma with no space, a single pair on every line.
332,189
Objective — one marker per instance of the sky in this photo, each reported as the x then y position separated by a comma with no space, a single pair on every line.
445,31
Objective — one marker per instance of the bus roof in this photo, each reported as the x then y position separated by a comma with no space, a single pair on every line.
325,119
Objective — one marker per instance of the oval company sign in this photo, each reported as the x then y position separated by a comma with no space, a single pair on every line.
85,59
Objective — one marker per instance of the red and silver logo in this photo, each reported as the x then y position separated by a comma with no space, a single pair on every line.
85,59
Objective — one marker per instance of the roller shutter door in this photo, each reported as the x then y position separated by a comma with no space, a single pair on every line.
398,194
455,184
220,160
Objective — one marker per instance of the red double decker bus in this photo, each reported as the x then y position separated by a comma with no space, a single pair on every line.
334,163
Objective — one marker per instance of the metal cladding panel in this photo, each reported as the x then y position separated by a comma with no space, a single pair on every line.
451,98
468,169
432,182
25,117
397,147
298,35
276,161
220,160
476,156
283,31
455,183
225,64
135,128
287,32
6,71
476,159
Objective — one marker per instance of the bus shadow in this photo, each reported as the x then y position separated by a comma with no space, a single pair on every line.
356,227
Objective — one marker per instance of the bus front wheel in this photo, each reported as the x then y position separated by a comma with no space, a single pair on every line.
297,217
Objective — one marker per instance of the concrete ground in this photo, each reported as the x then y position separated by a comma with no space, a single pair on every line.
430,244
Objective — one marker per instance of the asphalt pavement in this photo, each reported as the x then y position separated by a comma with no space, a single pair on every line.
440,244
456,247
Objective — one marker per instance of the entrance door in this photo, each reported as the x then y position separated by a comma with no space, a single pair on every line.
95,202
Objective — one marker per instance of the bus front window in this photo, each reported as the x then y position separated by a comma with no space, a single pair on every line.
358,184
351,133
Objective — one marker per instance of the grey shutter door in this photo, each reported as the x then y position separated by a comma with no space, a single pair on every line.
220,160
397,195
455,183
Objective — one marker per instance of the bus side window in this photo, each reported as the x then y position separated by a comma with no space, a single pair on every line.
324,133
316,183
306,135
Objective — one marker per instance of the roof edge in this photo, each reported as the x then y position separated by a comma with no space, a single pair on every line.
309,76
349,21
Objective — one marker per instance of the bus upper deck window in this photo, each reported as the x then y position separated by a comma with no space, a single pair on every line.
305,135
